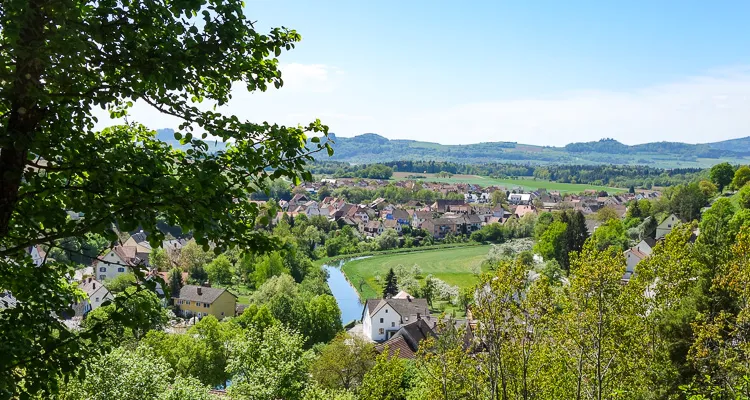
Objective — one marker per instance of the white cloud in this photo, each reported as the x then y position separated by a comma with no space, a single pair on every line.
715,106
699,109
308,77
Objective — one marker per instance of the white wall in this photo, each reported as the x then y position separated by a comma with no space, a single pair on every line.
99,296
110,266
391,321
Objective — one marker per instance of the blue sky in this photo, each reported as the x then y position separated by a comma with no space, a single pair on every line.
542,72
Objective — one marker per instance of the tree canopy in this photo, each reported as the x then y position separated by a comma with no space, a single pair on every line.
62,60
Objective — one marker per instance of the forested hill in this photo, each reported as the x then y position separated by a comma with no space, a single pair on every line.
370,147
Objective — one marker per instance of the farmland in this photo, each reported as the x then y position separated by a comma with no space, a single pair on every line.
452,265
524,183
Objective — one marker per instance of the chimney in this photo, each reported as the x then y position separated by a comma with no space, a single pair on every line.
200,291
206,284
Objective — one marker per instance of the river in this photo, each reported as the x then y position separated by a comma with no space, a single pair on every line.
346,296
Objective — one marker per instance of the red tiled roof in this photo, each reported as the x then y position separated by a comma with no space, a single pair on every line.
396,344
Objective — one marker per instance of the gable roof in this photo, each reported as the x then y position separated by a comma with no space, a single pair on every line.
634,251
407,339
404,307
396,344
91,286
208,294
139,237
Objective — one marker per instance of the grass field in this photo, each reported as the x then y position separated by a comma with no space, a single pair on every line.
527,183
451,265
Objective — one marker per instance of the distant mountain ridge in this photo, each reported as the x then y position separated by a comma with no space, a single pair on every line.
371,147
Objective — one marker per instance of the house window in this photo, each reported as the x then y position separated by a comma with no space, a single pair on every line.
121,269
393,324
102,269
386,311
222,313
381,320
198,303
381,331
669,226
205,305
96,300
102,277
187,302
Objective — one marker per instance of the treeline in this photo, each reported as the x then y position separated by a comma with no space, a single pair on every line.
640,176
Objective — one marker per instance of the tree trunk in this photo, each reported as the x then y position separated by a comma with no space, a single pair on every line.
24,114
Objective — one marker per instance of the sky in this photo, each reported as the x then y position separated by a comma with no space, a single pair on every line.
540,72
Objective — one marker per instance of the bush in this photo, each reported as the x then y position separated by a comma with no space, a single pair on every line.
743,197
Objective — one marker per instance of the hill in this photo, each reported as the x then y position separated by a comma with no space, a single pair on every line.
370,147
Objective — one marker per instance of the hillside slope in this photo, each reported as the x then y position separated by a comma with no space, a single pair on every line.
370,147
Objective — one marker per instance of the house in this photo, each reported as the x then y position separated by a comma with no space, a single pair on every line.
666,226
523,210
38,255
7,300
297,200
392,224
407,339
519,198
382,318
646,246
200,301
632,257
116,261
400,216
439,227
444,205
372,228
419,217
96,294
142,247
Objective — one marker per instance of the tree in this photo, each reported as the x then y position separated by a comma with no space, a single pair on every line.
220,270
551,244
743,197
610,234
708,188
450,372
269,365
175,281
741,177
721,175
687,201
122,374
54,160
269,266
511,326
594,315
391,284
145,307
160,259
121,282
344,362
385,380
323,319
499,198
607,213
387,240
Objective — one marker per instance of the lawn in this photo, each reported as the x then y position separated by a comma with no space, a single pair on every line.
452,265
525,183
